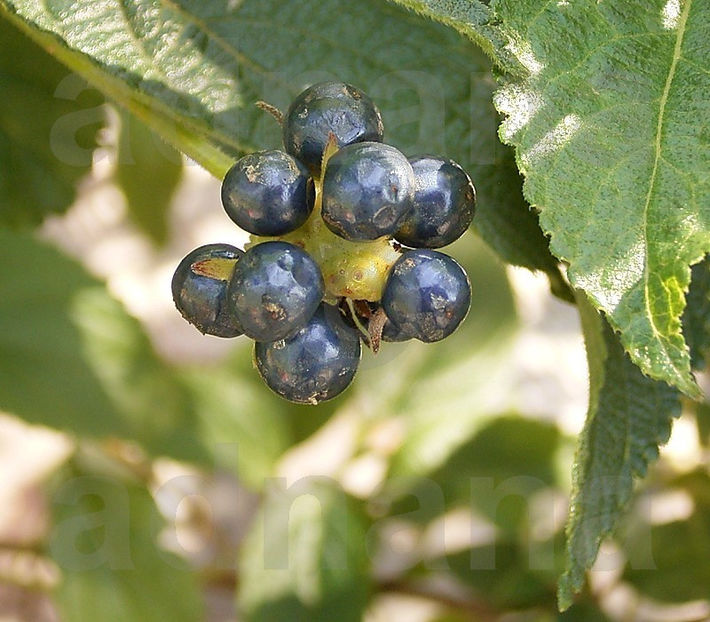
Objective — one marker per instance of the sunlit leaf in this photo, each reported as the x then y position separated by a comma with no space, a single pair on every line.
610,132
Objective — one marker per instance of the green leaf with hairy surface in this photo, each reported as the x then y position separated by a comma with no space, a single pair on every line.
306,557
696,318
148,172
104,539
610,130
192,71
629,416
48,122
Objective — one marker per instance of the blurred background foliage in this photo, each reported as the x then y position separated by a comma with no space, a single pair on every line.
149,474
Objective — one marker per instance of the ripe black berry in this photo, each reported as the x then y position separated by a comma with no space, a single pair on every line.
315,364
325,108
393,333
199,288
275,289
265,193
367,189
442,207
427,295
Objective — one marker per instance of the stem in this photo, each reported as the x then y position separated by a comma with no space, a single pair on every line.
272,110
356,320
482,611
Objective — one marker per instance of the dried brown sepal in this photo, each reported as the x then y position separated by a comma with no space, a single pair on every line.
375,326
363,308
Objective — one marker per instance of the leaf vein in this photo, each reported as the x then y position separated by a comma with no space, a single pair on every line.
232,51
652,182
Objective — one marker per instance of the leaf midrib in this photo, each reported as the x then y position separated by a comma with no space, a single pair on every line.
652,181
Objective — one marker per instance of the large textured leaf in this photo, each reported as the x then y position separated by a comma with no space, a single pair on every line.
192,71
48,120
610,131
306,557
105,541
629,417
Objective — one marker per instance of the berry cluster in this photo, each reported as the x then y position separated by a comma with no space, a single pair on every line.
343,228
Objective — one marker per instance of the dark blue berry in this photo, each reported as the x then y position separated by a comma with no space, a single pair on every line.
392,333
199,289
427,295
265,193
275,289
367,189
325,108
443,205
315,364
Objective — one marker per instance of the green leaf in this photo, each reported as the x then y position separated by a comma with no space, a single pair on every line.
509,456
192,71
588,611
48,122
501,573
629,416
76,361
245,426
148,171
105,541
508,224
610,130
473,19
702,422
71,358
696,318
305,559
677,569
